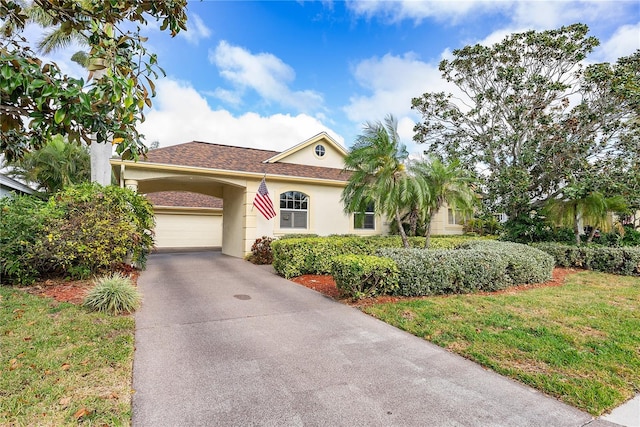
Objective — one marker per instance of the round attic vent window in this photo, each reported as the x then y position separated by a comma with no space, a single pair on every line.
320,150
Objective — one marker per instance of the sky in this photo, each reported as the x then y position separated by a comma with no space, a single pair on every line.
271,74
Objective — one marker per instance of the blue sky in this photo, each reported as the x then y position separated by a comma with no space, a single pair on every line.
270,74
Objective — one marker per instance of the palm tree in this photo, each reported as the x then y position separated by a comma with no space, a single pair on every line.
592,207
379,174
55,166
446,183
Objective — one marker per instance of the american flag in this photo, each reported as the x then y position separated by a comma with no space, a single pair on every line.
263,202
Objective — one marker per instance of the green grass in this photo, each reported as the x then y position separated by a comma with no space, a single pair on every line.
579,342
61,365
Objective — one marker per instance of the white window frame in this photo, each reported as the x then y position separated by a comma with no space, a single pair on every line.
294,205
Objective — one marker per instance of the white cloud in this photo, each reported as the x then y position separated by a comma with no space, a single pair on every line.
180,114
392,81
196,30
265,73
396,11
624,42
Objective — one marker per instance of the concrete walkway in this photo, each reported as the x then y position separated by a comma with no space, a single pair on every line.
221,342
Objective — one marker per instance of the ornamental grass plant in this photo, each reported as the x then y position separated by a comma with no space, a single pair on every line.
114,294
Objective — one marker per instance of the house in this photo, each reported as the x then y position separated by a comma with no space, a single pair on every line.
9,186
203,194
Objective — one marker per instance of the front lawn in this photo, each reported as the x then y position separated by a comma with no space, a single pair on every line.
61,365
579,342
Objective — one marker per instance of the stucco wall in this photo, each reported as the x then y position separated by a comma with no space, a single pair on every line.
325,214
306,156
441,226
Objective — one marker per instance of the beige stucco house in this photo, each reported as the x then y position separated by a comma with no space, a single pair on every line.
203,194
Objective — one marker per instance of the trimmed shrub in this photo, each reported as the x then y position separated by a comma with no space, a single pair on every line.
261,251
524,264
363,276
488,267
297,256
114,294
624,261
434,272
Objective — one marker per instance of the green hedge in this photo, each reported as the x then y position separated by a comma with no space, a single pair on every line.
363,276
623,261
296,256
524,264
488,267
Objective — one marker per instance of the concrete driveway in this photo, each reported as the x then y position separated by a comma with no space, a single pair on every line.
221,342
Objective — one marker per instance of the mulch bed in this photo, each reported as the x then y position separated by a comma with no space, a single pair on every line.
327,286
73,291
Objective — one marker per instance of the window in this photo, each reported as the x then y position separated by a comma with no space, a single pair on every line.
320,150
294,209
456,217
366,221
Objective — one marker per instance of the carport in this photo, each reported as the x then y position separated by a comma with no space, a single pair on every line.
237,213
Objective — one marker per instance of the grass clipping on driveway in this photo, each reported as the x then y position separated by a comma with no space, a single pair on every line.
579,342
61,365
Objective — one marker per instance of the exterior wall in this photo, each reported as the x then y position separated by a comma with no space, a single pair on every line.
325,215
181,228
441,226
307,156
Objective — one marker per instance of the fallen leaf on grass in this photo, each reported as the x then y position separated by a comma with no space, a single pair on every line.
65,367
82,412
64,402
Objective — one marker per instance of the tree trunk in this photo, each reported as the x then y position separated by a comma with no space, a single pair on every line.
427,233
576,227
413,222
100,153
591,235
100,166
405,241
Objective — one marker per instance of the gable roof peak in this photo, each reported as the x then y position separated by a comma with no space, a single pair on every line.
322,136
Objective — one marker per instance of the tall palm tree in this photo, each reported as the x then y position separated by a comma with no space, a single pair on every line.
446,183
55,166
379,174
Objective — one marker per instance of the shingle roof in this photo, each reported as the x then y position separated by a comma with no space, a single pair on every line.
225,157
184,199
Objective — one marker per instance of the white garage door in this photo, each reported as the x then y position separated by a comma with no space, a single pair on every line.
188,230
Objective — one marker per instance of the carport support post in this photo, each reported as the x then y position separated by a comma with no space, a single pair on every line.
234,221
131,184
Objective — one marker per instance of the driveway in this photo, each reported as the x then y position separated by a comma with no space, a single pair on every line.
221,342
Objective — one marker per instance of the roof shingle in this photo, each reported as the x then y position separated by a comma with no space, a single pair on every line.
225,157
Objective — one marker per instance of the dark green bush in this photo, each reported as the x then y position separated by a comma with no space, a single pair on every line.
489,267
363,276
22,221
623,261
294,257
80,231
261,251
528,229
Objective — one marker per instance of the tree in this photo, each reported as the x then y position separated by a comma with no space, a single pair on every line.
55,166
38,101
379,174
591,207
446,183
532,118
